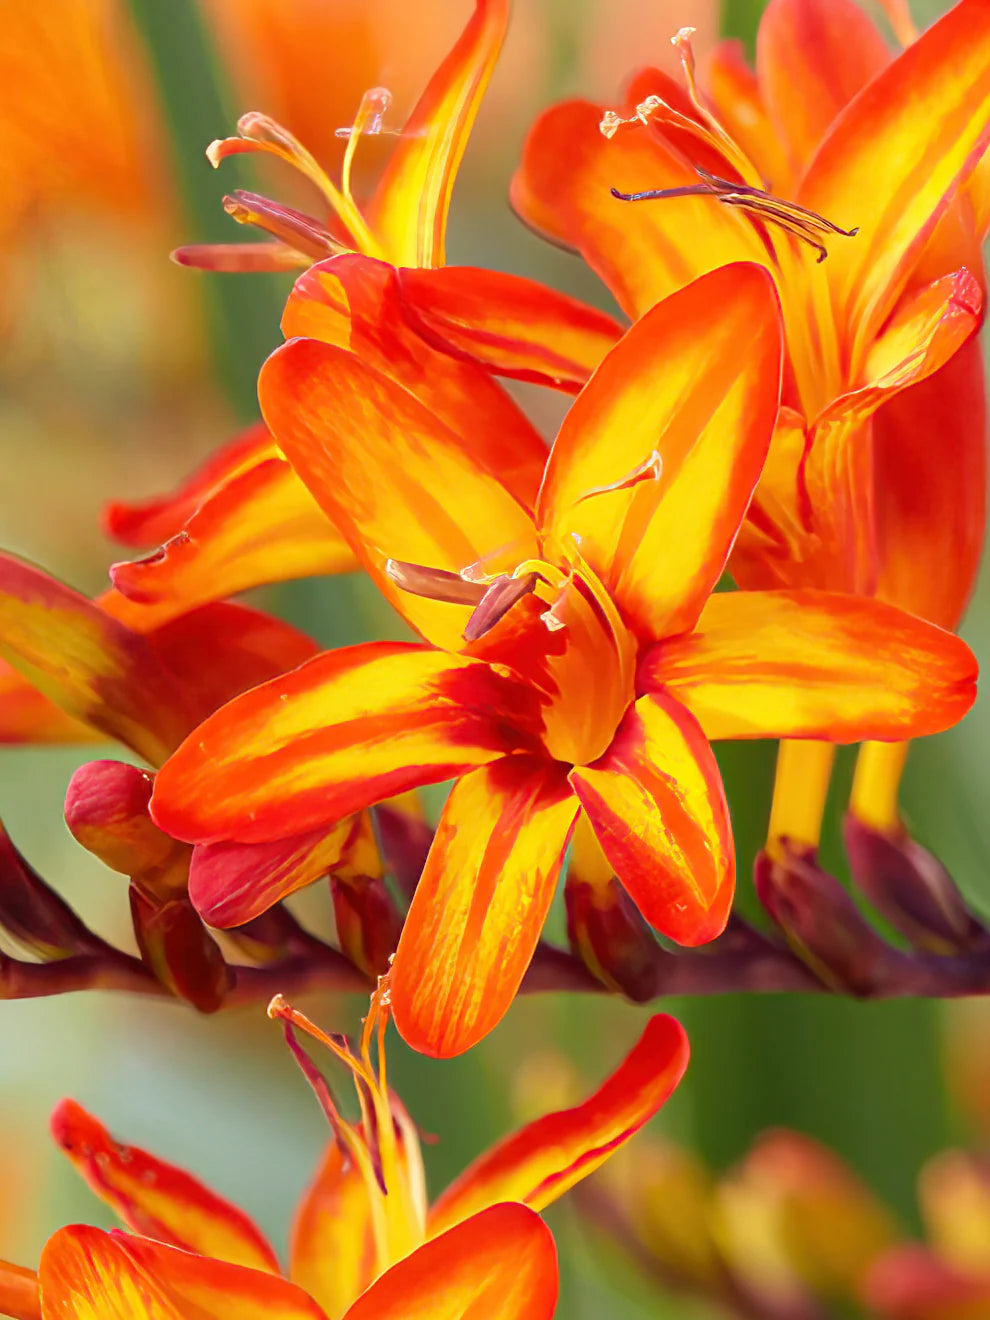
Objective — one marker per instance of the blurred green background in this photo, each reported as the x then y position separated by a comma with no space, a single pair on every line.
114,382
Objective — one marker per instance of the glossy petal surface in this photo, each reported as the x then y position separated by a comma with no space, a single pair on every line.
392,477
656,803
814,664
480,904
542,1160
514,326
691,393
87,1274
348,729
499,1265
155,1198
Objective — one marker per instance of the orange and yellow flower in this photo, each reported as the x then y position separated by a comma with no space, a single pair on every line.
572,658
877,470
365,1244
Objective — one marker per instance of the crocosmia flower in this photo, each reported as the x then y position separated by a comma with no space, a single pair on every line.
572,660
364,1244
852,177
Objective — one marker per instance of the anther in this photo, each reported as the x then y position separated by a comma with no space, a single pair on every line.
434,583
500,596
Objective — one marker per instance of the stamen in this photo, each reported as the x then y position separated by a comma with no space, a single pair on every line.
302,232
499,598
368,120
794,219
899,17
434,583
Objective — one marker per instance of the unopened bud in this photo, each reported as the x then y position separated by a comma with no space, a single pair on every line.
608,934
821,922
180,951
913,1283
405,841
106,809
954,1192
34,915
912,889
368,923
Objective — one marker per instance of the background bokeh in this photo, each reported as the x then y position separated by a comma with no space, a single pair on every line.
118,371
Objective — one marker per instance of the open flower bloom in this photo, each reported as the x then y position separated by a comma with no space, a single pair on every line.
571,661
365,1244
405,220
877,470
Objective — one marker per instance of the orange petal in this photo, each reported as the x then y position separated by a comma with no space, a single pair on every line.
147,522
892,160
350,728
912,1282
231,883
656,803
157,1199
545,1158
409,209
261,526
930,495
27,716
222,649
480,904
86,1274
389,474
498,1265
925,331
354,302
657,459
332,1250
642,250
812,57
513,326
732,89
93,667
814,664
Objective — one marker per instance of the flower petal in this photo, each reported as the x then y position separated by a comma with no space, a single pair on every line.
913,1282
642,250
892,160
542,1160
157,1199
230,883
812,57
348,729
657,459
355,302
814,664
409,209
332,1250
480,904
513,326
261,526
28,716
656,803
93,667
389,474
925,331
732,89
86,1274
145,523
930,457
498,1265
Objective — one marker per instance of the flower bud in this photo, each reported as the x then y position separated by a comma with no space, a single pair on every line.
179,949
34,915
106,809
912,889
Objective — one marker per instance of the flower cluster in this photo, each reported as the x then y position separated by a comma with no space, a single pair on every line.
730,537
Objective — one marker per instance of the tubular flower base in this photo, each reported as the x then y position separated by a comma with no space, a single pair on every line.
599,572
792,1234
872,236
365,1246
